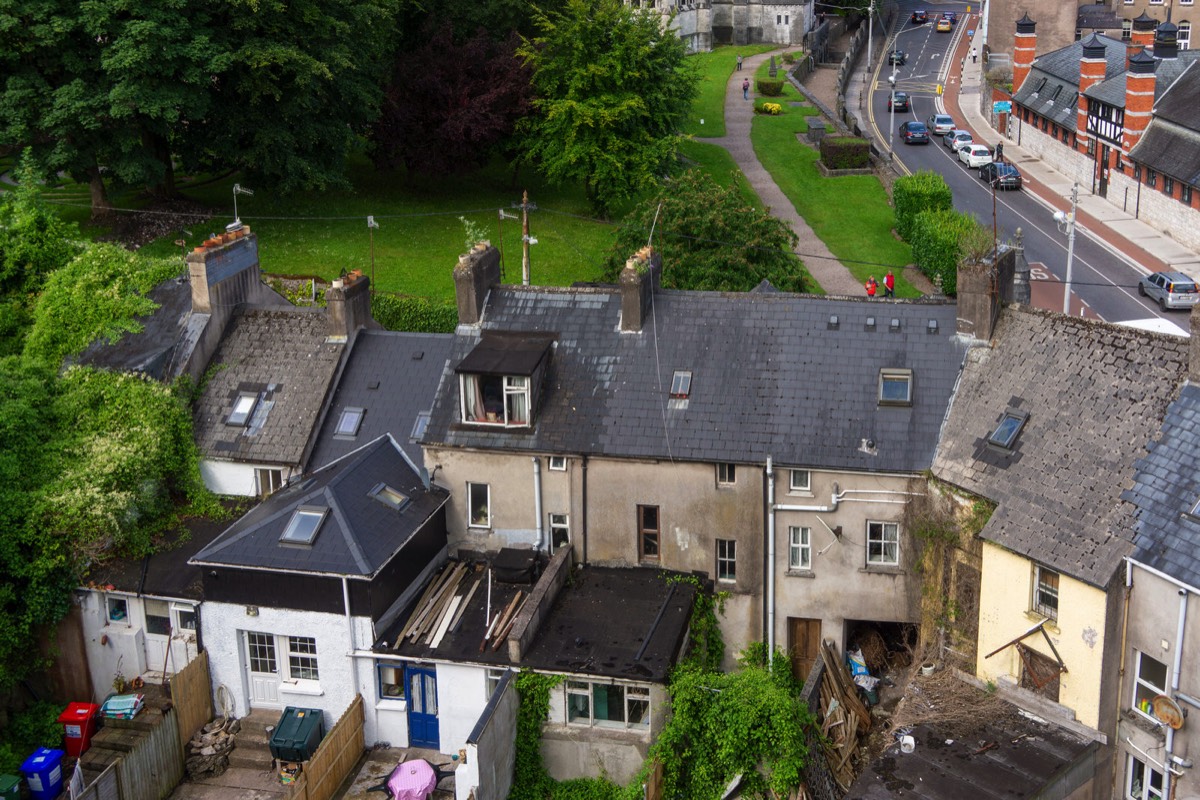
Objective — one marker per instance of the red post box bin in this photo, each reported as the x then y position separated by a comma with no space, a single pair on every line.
79,724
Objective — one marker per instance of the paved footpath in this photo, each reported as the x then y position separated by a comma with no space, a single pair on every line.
826,270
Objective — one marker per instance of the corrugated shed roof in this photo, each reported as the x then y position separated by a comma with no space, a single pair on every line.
1095,394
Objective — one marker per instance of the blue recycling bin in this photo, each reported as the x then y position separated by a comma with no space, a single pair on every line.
43,773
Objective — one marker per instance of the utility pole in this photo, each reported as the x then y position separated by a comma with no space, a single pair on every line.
1063,218
371,226
526,239
500,235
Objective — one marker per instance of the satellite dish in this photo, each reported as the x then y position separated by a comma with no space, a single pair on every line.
1167,711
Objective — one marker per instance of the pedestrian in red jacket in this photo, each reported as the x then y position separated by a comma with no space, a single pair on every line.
872,286
889,284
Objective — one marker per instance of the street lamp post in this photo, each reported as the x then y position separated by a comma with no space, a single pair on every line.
1067,221
371,226
892,111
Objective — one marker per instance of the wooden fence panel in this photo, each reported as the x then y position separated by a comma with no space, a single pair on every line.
191,697
337,754
105,787
653,787
154,766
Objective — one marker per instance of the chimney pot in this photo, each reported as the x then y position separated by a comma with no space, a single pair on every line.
638,282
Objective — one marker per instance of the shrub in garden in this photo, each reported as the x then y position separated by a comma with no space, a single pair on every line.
845,152
789,58
938,241
774,109
415,314
912,194
770,87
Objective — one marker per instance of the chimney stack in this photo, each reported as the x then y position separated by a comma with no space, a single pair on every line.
1021,287
224,271
1139,98
977,301
1024,50
474,276
1092,68
1142,33
1166,41
348,306
638,281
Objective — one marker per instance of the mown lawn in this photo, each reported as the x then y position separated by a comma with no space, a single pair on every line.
714,70
850,214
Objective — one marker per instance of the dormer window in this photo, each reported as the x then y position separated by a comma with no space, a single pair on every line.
243,407
895,387
304,525
499,379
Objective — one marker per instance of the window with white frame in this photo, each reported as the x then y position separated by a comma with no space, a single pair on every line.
348,422
117,609
302,658
1045,592
1127,27
560,531
1142,782
895,387
1149,681
726,560
158,617
495,399
883,544
799,547
1184,37
608,705
493,680
391,681
185,617
800,480
558,463
479,505
268,481
243,407
726,474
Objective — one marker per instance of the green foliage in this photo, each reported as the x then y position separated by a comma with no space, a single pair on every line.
418,314
912,194
36,726
531,781
586,789
937,242
96,296
770,87
612,89
708,644
789,58
845,152
709,239
15,319
978,516
33,240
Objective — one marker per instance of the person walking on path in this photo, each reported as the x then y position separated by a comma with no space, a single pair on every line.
889,284
872,286
746,89
974,56
739,62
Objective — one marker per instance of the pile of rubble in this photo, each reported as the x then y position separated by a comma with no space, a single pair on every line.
208,750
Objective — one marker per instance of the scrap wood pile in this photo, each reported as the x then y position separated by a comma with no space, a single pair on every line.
844,717
440,609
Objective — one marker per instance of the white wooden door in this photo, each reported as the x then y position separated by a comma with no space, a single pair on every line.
262,668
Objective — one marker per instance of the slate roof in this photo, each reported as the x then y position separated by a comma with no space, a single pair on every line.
359,534
613,622
1052,88
394,377
281,355
1172,138
1095,394
1166,75
1165,489
769,378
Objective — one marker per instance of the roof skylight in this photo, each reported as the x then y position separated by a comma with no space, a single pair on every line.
681,384
389,497
349,421
1008,429
304,525
243,407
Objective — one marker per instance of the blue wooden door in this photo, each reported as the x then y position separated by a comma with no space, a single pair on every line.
422,708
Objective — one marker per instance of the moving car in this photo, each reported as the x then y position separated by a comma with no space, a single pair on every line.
974,155
1003,175
1170,289
944,25
898,101
941,124
898,57
914,132
950,15
919,17
956,139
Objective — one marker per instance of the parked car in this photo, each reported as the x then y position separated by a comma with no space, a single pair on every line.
914,132
941,124
944,25
898,101
898,57
919,17
1003,175
1170,289
974,155
956,139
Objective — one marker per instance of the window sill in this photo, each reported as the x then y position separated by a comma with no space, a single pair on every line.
1051,624
800,493
308,688
800,573
883,569
391,704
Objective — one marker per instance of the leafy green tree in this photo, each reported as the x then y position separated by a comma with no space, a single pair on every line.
34,241
710,239
612,87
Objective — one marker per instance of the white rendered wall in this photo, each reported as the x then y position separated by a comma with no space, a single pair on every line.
462,696
234,478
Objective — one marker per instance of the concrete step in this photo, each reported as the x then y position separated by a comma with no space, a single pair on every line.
252,757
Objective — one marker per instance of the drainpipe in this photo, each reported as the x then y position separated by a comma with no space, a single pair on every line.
1124,638
537,499
770,562
350,630
1170,751
583,479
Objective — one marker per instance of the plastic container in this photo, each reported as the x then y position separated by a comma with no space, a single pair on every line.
297,734
907,744
10,787
43,773
79,725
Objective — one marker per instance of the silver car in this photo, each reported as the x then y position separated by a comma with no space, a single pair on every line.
956,139
940,124
1170,289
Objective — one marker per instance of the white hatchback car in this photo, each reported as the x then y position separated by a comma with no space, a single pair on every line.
975,155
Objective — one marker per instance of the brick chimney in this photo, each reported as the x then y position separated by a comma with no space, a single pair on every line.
1091,71
1142,34
1024,50
977,301
474,276
1139,98
638,281
348,306
1166,41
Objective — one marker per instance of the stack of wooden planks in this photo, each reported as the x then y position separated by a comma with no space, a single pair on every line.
502,622
844,718
441,607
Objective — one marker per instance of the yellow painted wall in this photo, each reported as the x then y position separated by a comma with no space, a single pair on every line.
1078,634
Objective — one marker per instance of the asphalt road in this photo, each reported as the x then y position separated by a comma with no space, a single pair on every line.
1103,282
